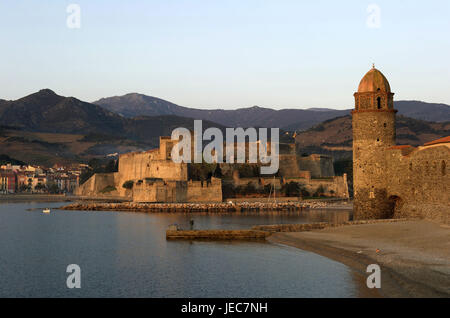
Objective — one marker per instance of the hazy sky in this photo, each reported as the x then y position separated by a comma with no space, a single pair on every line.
227,53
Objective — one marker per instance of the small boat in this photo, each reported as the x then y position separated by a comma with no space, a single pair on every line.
47,210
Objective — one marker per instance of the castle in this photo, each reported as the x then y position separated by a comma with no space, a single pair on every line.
392,181
152,176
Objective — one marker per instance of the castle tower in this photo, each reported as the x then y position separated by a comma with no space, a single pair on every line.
373,132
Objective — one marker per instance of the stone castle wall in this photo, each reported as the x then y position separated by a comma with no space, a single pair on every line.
95,185
418,182
336,186
160,191
198,191
319,166
178,191
137,166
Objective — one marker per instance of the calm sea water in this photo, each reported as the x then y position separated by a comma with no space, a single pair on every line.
124,254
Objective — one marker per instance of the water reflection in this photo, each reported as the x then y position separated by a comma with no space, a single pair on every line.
123,254
247,220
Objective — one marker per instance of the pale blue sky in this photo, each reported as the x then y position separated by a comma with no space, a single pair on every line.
227,53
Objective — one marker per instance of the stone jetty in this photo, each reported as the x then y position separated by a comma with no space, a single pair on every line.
196,207
216,235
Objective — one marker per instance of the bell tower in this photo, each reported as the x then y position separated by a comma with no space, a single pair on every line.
373,121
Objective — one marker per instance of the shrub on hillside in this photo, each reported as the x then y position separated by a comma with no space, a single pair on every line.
108,189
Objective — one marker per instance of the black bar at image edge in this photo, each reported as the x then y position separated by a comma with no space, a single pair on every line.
218,307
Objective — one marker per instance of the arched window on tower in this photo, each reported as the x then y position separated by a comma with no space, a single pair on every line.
379,102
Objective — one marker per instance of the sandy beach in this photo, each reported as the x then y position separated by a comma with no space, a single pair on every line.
414,256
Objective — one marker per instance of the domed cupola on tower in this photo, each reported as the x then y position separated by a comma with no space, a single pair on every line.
374,92
374,81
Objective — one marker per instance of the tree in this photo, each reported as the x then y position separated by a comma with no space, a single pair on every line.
24,188
39,186
53,188
128,184
5,159
108,188
218,172
246,171
320,192
291,189
228,190
95,163
304,193
201,171
240,190
111,166
250,188
97,166
268,188
85,175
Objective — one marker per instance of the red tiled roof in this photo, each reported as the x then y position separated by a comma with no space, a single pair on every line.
438,141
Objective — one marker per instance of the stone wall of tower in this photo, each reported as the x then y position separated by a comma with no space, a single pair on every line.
369,101
373,134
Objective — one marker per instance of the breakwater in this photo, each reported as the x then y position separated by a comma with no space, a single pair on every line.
195,207
216,235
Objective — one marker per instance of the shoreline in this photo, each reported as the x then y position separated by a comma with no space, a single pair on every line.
409,267
30,197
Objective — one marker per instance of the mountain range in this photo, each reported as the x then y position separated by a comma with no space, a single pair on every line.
131,105
45,111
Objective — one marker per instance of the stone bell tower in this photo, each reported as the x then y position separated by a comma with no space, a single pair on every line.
373,133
